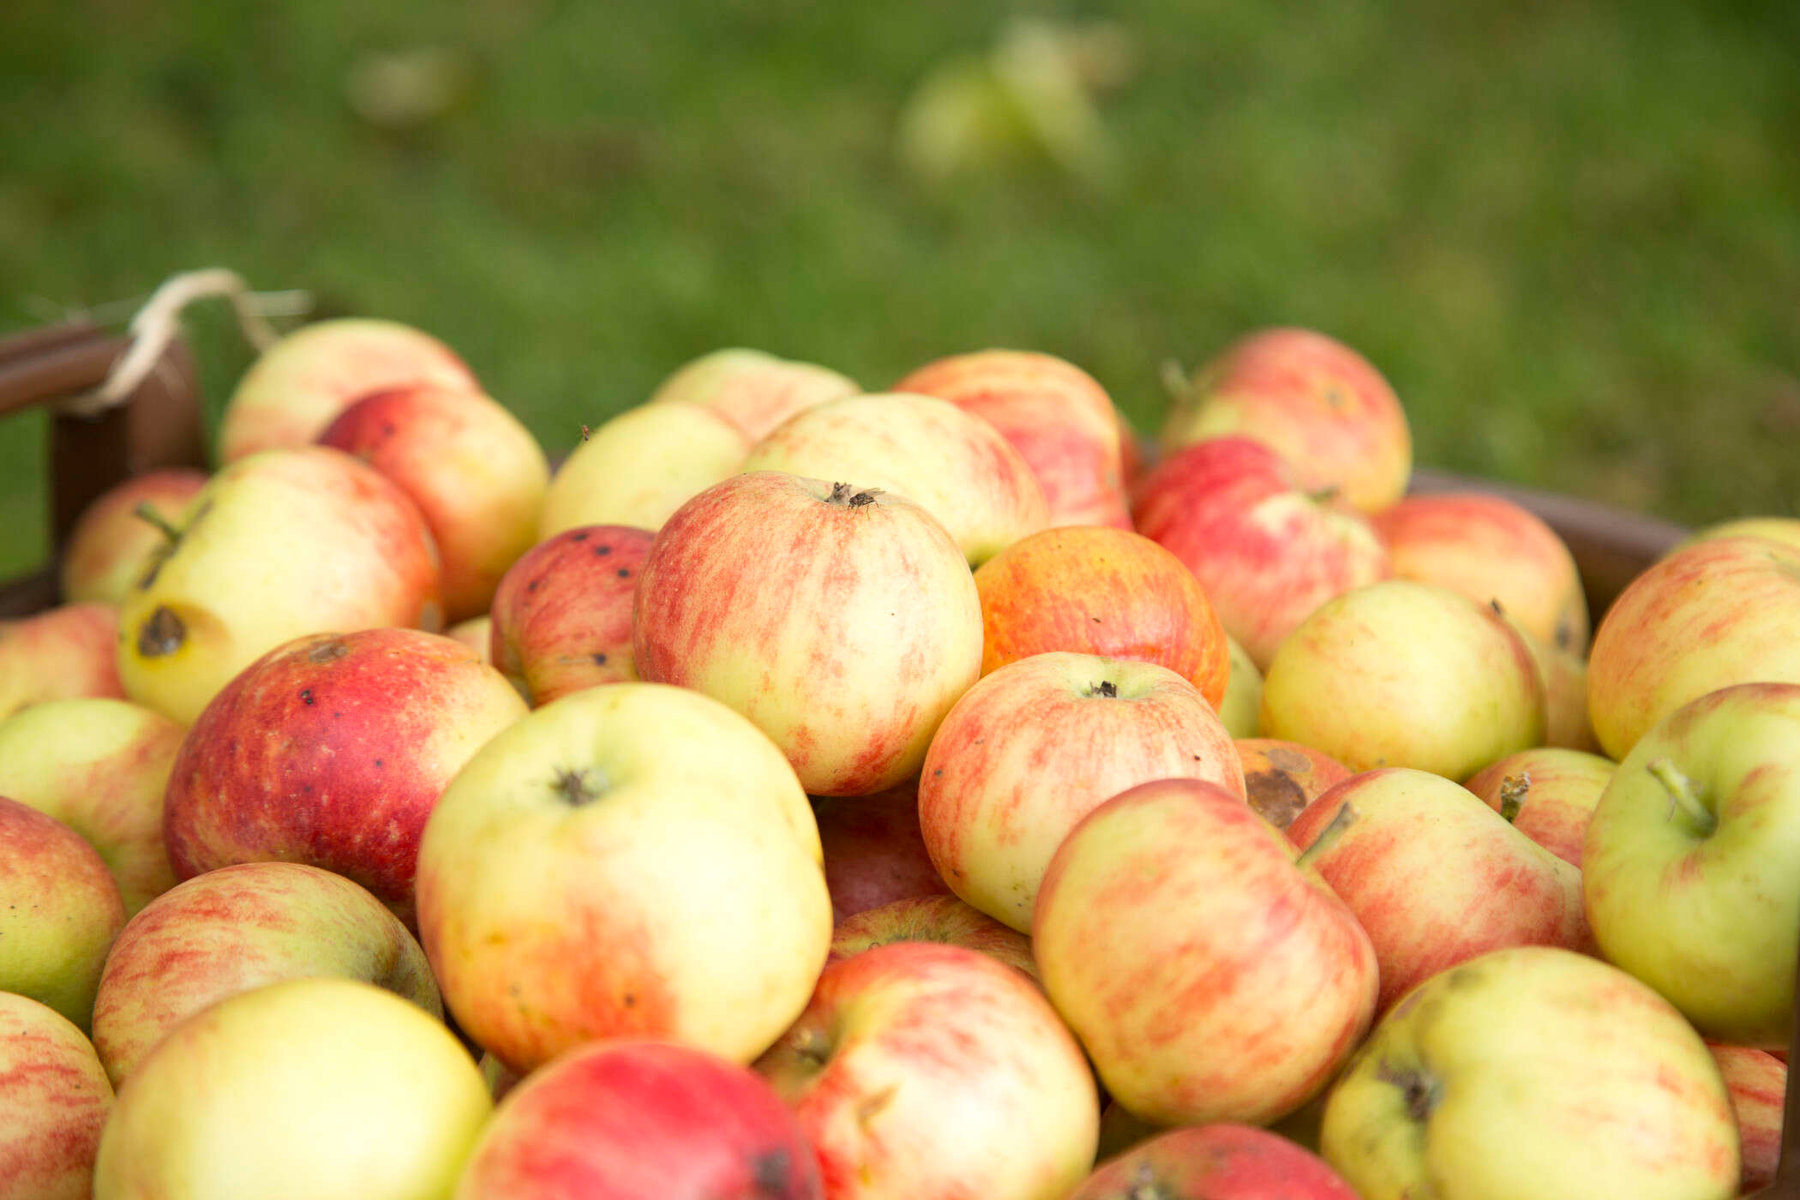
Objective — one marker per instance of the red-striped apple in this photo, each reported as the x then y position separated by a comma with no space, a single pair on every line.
874,851
59,912
932,919
1547,793
1215,1162
53,1104
61,653
753,390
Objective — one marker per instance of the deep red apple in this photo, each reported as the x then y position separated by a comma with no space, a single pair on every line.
874,852
1215,1162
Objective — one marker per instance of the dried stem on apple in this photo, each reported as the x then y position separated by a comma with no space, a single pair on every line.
1328,836
1683,798
577,789
147,513
851,495
1513,790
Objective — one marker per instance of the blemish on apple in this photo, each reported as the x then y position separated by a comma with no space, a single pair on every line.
161,634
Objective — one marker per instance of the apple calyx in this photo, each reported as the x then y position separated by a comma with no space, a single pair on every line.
813,1048
1513,790
850,495
1420,1091
1327,494
1343,819
162,632
1143,1185
1106,689
577,788
1683,798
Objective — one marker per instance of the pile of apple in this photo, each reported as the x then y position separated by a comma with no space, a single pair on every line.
929,794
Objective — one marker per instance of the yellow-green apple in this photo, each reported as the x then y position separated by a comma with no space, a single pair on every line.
640,466
59,912
638,1119
1267,552
1547,793
1319,404
950,462
1282,778
1779,529
100,766
932,919
303,1089
1404,674
922,1071
1057,416
1490,548
1215,1162
1691,865
1708,615
1210,976
277,545
241,927
477,633
1435,876
1757,1081
562,614
107,547
629,859
1533,1072
60,653
1036,746
874,851
842,621
1241,708
474,470
300,383
54,1099
752,390
1093,589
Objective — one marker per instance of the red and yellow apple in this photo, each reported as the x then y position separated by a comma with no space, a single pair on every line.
59,912
106,549
61,653
54,1102
752,390
1547,793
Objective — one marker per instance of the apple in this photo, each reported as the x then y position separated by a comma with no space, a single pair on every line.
1566,723
476,633
950,462
1403,674
106,549
932,919
1282,778
100,766
60,653
639,467
59,912
1215,1162
752,390
474,470
562,614
300,383
1319,404
241,927
1600,1087
1092,589
922,1071
635,859
1036,746
842,621
1266,551
53,1103
641,1120
1547,793
302,1089
1057,416
874,851
1779,529
1691,866
1209,977
1757,1082
277,545
1708,615
1241,707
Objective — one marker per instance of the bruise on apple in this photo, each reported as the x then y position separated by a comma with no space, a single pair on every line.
162,633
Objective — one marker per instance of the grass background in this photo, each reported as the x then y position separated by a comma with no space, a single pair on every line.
1568,232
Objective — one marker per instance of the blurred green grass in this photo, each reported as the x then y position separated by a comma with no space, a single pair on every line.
1569,233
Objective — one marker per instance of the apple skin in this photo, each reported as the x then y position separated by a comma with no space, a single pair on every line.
1757,1081
1209,976
1215,1162
241,927
53,1106
922,1071
1057,416
1403,674
932,919
1282,778
301,1089
332,750
1092,589
1600,1086
277,545
1779,529
1565,676
952,463
1036,746
100,766
562,614
753,391
59,912
476,633
106,549
1241,706
474,470
843,622
640,466
298,385
874,851
1547,793
1312,399
1437,877
641,1120
1691,865
1266,552
686,889
1708,615
61,653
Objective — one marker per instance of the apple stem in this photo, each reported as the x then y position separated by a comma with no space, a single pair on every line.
1328,836
1326,494
1682,796
1513,790
849,494
147,514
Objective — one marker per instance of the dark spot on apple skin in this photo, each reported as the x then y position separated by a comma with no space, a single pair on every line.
599,660
602,551
624,572
580,535
769,1173
534,585
630,999
306,697
380,763
1276,798
329,651
162,633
